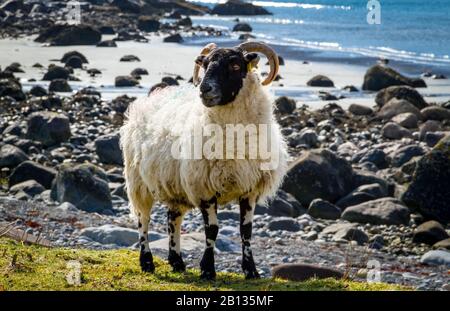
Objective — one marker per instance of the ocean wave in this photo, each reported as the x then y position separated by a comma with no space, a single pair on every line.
282,4
260,20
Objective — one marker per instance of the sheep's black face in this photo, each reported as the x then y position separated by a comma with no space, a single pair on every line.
225,70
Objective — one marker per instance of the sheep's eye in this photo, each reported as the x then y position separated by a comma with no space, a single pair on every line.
235,67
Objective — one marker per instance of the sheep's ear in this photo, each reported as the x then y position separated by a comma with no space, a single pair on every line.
252,59
199,60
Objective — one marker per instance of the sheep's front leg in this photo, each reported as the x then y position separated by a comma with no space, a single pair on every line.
175,218
145,256
209,212
247,209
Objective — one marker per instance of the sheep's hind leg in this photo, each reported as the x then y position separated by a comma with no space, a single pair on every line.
209,212
175,217
145,256
248,264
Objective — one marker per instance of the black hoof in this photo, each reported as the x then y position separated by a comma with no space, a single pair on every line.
176,262
146,261
253,274
208,275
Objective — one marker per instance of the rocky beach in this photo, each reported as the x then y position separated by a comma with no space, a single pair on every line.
368,185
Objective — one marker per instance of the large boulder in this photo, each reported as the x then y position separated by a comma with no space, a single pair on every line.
429,232
11,87
125,81
70,54
379,77
11,156
393,130
303,272
108,149
435,113
428,193
148,24
56,72
397,106
323,209
30,187
320,81
385,211
436,258
242,27
283,204
30,170
50,128
237,7
285,105
63,35
85,186
175,38
321,174
400,92
59,85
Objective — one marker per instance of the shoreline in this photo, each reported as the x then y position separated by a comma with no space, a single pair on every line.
172,59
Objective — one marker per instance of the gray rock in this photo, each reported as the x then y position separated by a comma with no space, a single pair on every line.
56,72
320,81
283,204
395,107
85,186
377,242
351,234
12,88
428,193
400,92
354,198
49,128
377,157
436,258
30,170
323,209
175,38
435,113
70,54
64,34
59,85
242,27
386,211
108,149
444,244
302,272
148,24
392,130
429,126
319,174
407,119
129,58
432,138
11,156
74,62
30,187
429,232
285,105
360,110
38,91
120,236
125,81
284,223
306,137
379,77
406,153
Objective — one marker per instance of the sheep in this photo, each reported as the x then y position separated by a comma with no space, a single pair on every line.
231,93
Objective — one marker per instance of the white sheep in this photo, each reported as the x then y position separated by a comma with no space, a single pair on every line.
231,93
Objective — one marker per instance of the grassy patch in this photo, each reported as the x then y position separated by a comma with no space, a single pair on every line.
32,267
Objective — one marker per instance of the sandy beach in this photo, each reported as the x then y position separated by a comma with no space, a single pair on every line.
172,59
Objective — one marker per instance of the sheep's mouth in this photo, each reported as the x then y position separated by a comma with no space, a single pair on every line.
210,100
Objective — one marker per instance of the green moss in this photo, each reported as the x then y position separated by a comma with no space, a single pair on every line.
24,267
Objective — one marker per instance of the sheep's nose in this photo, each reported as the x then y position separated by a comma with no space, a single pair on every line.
205,88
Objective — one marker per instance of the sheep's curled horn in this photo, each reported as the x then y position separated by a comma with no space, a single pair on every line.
246,47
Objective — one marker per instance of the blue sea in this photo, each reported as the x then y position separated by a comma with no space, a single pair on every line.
413,34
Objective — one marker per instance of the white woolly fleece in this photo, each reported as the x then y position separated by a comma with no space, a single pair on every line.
168,117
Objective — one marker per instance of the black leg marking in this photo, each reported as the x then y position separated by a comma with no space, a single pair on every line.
175,259
209,212
246,218
145,256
